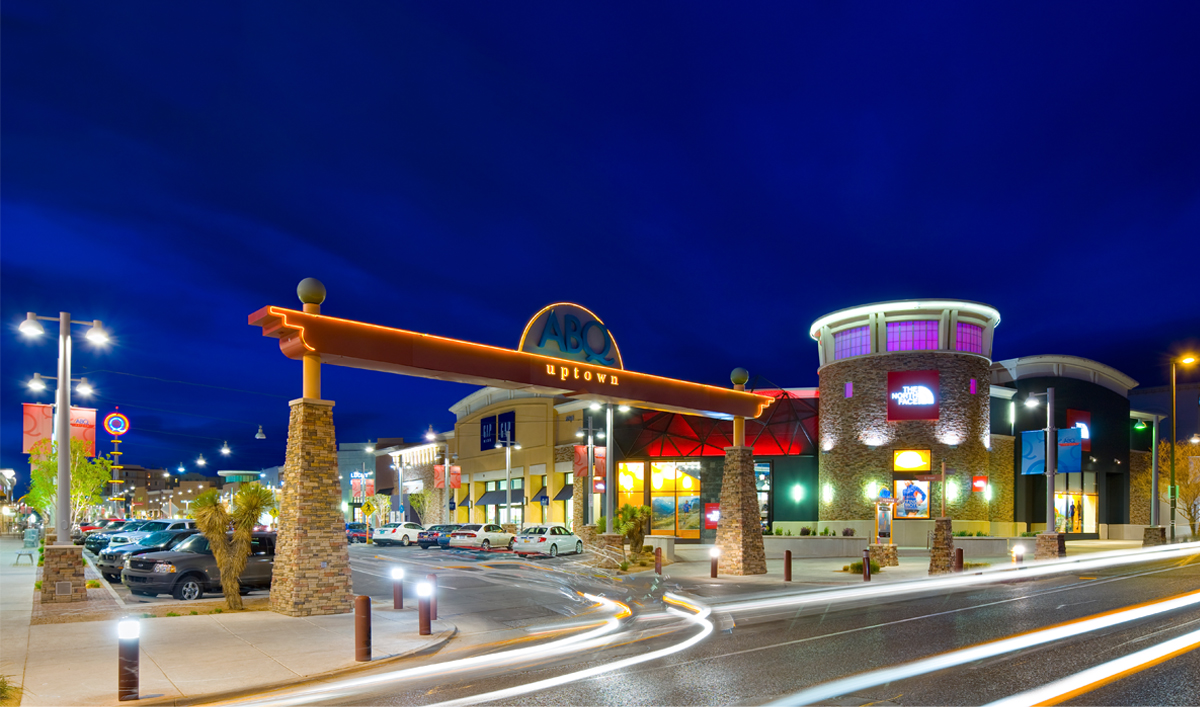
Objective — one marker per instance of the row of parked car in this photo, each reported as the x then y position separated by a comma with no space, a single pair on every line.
170,556
545,539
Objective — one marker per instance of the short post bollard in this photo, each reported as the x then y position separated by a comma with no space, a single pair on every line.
432,597
423,593
866,565
362,629
787,565
958,559
714,554
658,561
127,659
397,588
1019,554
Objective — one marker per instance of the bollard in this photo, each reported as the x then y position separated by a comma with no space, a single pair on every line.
432,596
658,561
397,588
127,659
787,565
866,565
423,592
958,559
1019,554
714,554
362,629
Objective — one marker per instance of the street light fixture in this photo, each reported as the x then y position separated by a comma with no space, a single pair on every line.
84,388
1173,492
225,448
259,434
32,327
37,382
201,461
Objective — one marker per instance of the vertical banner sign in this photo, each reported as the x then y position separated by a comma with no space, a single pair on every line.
600,473
1082,420
455,477
1070,452
579,462
83,428
38,425
712,515
506,429
439,476
487,433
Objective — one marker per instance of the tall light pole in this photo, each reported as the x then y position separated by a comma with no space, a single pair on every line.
593,433
508,445
1051,453
32,327
1174,491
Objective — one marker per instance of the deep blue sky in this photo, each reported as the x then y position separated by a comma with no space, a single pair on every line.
708,178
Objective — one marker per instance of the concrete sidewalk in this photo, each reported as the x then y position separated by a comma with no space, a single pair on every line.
187,656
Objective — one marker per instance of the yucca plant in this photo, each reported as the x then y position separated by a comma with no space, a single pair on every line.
229,533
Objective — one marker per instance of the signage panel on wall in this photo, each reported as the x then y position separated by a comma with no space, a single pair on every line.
712,515
979,484
506,427
487,433
913,395
1082,420
912,499
911,459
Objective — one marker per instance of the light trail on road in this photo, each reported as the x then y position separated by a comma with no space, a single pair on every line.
983,651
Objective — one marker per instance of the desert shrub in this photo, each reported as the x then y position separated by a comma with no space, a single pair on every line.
856,567
624,566
193,612
93,584
779,531
787,532
1029,534
172,613
847,532
805,530
7,689
981,534
147,615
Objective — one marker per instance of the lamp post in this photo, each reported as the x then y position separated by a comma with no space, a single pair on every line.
1173,492
1051,453
592,433
508,445
32,327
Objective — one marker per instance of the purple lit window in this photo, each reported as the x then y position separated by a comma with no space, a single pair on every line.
849,389
851,342
970,338
912,336
973,386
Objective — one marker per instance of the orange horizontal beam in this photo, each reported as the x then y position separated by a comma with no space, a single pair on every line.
343,342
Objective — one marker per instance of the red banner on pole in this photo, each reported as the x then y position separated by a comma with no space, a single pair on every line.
83,428
38,425
580,461
439,476
455,477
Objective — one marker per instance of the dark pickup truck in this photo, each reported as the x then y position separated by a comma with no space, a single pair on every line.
189,570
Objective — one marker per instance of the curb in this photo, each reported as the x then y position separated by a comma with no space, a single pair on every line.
439,642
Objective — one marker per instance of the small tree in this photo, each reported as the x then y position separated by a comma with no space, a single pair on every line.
231,550
419,502
631,522
89,476
1187,478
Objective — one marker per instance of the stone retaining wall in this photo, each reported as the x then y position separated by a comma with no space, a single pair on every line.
64,563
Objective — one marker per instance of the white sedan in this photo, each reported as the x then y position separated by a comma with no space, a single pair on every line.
403,534
485,537
549,539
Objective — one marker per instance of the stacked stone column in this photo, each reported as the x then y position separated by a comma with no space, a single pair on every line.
1050,546
941,558
312,566
739,530
62,574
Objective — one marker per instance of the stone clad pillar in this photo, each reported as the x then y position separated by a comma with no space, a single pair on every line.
62,574
941,557
312,565
739,530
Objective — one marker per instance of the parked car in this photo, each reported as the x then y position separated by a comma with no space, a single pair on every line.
356,532
152,526
483,536
96,542
189,569
112,558
94,525
434,535
547,539
393,533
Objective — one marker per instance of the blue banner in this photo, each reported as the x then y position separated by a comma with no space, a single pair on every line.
1070,451
507,428
487,433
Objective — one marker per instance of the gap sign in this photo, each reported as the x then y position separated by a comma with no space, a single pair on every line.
913,395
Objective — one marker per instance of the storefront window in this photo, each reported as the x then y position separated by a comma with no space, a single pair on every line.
762,482
631,484
1075,502
920,335
851,342
675,499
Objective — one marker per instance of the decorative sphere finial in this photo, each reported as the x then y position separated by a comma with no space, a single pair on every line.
310,291
739,376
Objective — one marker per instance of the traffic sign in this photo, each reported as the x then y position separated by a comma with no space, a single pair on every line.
368,507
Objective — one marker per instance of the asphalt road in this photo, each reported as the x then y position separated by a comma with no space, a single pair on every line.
755,656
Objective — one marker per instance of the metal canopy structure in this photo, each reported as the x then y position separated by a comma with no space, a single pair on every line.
344,342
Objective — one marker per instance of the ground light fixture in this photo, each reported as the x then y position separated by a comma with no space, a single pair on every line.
397,588
128,632
424,592
714,553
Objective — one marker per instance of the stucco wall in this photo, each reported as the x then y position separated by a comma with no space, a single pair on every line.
848,464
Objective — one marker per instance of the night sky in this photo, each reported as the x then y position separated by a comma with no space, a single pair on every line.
707,178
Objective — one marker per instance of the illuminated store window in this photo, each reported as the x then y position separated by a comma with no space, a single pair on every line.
675,507
631,484
969,338
1075,502
919,335
849,389
852,342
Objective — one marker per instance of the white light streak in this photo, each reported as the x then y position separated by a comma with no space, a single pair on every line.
874,678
